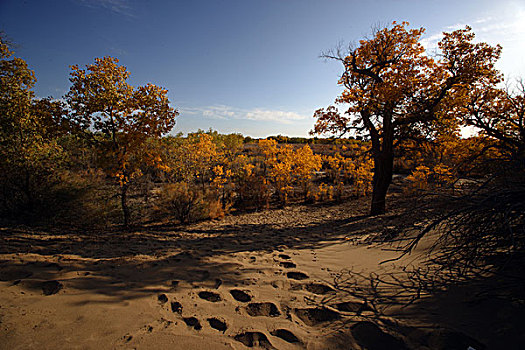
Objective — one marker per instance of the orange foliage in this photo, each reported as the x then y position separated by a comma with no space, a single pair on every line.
394,91
101,99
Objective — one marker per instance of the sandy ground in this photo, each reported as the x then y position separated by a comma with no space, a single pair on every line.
282,279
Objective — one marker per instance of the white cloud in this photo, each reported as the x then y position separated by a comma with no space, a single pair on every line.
430,43
273,115
120,7
484,20
506,27
233,113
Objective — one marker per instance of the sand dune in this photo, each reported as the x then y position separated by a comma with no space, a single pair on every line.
276,279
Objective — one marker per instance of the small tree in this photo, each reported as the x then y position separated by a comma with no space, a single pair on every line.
101,100
278,163
305,164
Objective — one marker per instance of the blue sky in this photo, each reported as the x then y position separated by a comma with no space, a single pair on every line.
248,66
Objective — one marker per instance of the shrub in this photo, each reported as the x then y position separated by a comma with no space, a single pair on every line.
181,201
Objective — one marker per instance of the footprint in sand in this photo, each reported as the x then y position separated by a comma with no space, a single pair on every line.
318,288
192,322
253,339
176,307
285,335
353,306
51,287
284,256
217,324
296,275
162,323
287,264
262,309
314,256
279,284
210,296
162,298
316,315
240,295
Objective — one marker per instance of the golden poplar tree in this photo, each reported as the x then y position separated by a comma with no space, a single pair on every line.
101,100
393,90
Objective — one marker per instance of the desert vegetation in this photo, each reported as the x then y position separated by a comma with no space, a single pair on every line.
108,147
103,164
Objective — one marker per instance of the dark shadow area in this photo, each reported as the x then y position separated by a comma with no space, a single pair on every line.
429,307
127,264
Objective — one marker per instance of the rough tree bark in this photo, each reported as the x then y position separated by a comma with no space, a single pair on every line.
124,203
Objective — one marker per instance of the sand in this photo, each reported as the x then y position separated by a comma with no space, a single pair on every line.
283,279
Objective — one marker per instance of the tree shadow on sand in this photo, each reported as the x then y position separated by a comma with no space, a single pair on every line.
130,264
425,307
407,308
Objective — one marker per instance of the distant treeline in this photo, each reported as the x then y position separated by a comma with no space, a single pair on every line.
311,140
291,139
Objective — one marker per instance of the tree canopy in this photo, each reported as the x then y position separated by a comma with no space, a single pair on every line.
28,151
394,90
102,101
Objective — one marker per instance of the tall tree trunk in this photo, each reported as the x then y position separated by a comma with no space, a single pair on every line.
124,203
383,171
30,204
383,152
